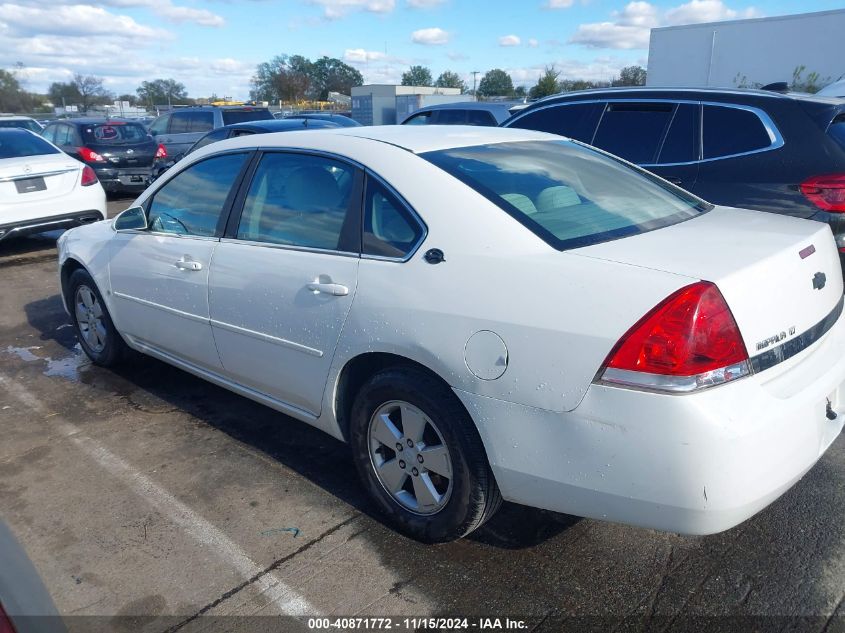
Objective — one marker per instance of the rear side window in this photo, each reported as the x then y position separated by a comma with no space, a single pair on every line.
183,122
301,200
192,202
114,133
451,117
575,120
480,117
389,228
242,116
681,144
728,131
567,194
19,143
634,130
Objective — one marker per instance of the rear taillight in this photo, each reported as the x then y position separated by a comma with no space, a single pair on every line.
89,176
6,625
90,156
688,342
161,152
826,192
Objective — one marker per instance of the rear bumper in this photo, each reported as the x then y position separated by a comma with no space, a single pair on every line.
126,179
50,223
693,464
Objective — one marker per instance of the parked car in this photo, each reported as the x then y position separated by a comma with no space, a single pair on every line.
340,120
122,153
24,122
42,189
25,603
244,129
462,113
755,149
485,313
179,129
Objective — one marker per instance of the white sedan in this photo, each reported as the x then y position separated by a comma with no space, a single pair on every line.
485,314
42,188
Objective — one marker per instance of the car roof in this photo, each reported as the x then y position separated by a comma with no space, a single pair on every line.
670,92
416,139
15,117
470,105
94,121
278,125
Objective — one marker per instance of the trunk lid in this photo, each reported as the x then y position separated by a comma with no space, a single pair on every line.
60,174
780,276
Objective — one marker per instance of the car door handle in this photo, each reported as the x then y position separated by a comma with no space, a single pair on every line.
336,290
187,264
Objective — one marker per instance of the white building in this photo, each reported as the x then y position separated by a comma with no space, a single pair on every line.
375,104
751,52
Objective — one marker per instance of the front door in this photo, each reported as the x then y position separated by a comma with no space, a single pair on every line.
159,277
283,282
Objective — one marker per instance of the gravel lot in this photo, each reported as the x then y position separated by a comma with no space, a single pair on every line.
147,497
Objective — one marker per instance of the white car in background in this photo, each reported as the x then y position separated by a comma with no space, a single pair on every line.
485,313
42,188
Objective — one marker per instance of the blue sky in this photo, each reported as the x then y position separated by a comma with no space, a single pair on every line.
212,46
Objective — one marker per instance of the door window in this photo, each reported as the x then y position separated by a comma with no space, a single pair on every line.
451,117
633,131
64,135
423,118
159,126
389,228
187,121
50,133
575,120
301,200
682,139
480,117
193,201
729,131
212,137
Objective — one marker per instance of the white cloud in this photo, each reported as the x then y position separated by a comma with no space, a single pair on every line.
202,17
163,8
509,40
559,4
533,42
457,56
430,37
630,27
425,4
335,9
361,56
599,69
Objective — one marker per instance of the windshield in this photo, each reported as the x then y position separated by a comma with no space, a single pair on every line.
569,194
21,123
242,116
114,133
17,143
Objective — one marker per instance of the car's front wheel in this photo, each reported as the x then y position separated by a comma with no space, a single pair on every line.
420,457
91,319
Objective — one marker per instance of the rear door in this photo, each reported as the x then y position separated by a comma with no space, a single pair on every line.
159,277
283,280
576,120
186,128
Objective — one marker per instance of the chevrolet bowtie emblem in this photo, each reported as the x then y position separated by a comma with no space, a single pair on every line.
819,280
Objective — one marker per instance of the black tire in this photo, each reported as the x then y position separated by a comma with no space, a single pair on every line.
474,494
114,350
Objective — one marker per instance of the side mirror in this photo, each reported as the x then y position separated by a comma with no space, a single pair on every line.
133,219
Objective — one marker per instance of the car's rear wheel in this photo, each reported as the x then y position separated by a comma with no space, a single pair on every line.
420,457
97,335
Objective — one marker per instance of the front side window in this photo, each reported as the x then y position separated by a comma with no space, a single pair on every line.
633,131
451,117
389,229
681,144
423,118
193,201
480,117
575,120
567,194
159,126
301,200
212,137
729,131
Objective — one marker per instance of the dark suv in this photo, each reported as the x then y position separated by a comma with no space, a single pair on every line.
122,153
179,129
755,149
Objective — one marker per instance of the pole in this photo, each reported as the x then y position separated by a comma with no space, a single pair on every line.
474,75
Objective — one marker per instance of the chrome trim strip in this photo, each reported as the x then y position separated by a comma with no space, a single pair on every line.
43,174
775,136
679,385
267,338
287,247
795,346
152,304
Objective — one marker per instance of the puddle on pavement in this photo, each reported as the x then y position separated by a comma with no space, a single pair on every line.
70,367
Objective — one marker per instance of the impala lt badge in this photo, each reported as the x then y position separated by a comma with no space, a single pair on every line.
777,338
819,280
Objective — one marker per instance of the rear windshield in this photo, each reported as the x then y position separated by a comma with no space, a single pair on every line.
21,123
837,130
568,194
17,143
242,116
114,133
